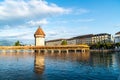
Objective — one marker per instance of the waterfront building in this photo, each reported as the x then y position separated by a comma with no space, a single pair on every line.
117,37
102,38
39,37
83,39
55,42
71,41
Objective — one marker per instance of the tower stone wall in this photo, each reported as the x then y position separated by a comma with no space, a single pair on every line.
39,37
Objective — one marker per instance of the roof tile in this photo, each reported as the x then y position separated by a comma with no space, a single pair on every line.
39,31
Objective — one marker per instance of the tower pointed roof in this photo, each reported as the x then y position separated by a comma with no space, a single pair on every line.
39,31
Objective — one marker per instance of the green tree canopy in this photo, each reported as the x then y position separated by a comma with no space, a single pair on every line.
106,45
117,44
64,42
17,43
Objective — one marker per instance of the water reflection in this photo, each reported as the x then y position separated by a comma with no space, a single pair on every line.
93,59
39,63
59,66
105,59
70,56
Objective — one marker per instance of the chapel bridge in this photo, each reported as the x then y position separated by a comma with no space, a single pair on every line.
47,49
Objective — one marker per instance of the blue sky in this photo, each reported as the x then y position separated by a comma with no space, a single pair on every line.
19,19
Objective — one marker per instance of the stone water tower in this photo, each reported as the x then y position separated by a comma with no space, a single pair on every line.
39,37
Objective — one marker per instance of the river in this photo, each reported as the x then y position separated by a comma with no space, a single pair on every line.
59,66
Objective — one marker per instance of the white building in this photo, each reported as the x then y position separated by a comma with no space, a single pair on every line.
102,37
39,37
117,37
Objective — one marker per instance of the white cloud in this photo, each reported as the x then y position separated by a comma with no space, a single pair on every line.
35,13
37,23
16,33
15,9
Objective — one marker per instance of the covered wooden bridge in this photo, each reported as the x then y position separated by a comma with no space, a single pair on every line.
48,49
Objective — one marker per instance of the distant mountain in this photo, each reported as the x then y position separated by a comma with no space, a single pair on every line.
6,43
10,42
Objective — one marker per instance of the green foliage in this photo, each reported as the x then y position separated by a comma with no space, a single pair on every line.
64,42
106,45
117,44
17,43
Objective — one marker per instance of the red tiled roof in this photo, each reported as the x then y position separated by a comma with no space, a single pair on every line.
39,31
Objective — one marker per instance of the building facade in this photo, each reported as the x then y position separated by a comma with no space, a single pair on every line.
102,38
117,37
39,37
71,41
83,39
55,42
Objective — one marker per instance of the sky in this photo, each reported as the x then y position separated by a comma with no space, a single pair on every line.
19,19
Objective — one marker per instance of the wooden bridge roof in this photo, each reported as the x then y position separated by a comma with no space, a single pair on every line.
43,47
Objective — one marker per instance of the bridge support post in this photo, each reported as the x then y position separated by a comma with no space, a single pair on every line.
18,51
45,50
67,51
37,51
75,51
58,51
11,51
32,51
3,51
52,51
83,50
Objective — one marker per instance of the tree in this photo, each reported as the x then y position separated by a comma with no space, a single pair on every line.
106,45
117,44
64,42
17,43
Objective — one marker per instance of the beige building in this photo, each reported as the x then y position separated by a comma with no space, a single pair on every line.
71,41
55,42
83,39
103,37
39,37
58,42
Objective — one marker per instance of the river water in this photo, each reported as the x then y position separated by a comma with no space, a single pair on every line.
59,66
